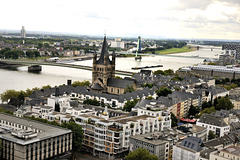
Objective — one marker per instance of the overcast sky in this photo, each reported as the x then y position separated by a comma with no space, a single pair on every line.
197,19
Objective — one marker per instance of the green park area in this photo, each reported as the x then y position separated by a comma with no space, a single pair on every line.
176,50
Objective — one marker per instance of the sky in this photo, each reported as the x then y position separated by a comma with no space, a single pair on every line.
182,19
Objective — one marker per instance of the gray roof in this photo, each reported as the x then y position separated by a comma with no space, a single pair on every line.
147,138
97,86
225,140
8,107
192,143
212,120
48,130
206,153
119,83
146,72
143,102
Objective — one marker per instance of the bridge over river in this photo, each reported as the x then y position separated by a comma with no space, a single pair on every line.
29,63
165,55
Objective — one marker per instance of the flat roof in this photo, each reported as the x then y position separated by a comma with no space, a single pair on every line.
146,138
132,118
235,150
48,131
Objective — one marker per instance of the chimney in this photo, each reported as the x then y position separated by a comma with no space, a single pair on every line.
69,82
57,92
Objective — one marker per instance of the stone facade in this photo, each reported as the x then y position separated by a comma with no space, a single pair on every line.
103,69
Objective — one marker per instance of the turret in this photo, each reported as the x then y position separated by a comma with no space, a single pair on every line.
106,59
113,57
95,58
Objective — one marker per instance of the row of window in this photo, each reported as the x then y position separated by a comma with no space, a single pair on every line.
11,124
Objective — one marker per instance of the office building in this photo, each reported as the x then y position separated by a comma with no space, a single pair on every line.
24,139
23,32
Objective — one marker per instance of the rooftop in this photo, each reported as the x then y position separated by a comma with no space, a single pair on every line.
149,139
235,150
46,130
213,120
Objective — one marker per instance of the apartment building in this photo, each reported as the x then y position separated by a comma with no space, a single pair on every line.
24,139
152,143
231,152
109,137
214,123
180,102
188,149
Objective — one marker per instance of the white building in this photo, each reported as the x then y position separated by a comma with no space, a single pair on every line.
118,44
231,152
23,32
109,137
214,123
189,149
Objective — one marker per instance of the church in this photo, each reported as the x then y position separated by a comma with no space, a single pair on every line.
103,74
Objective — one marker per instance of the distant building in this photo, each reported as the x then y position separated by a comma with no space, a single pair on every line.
118,44
23,32
217,71
232,49
27,139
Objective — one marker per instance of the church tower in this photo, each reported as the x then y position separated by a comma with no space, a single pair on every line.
103,68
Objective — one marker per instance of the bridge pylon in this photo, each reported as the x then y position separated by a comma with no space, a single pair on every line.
139,49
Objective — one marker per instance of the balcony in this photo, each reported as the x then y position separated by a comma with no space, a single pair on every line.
115,128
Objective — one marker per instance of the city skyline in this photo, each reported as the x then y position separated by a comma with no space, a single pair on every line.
209,19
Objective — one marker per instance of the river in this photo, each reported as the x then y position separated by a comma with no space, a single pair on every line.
52,75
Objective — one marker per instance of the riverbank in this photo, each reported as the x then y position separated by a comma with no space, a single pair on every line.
176,50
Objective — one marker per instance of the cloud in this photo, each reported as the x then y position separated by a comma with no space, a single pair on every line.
96,16
157,18
193,4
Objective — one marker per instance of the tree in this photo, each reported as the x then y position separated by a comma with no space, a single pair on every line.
77,134
129,89
158,72
149,85
174,120
149,98
129,105
208,111
177,78
30,54
81,84
46,87
141,154
224,103
193,111
36,54
168,72
205,104
40,45
9,94
163,91
211,135
92,102
118,77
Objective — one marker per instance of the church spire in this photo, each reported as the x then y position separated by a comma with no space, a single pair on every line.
104,51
